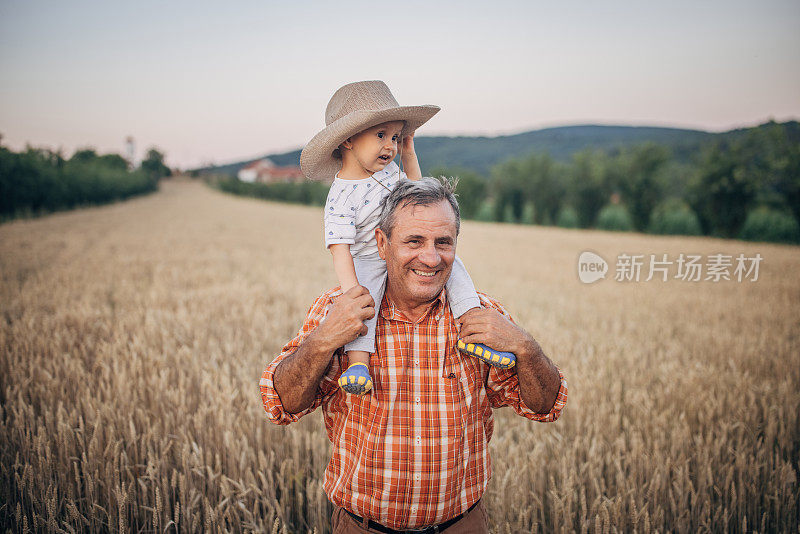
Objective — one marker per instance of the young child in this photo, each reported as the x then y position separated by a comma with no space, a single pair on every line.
365,129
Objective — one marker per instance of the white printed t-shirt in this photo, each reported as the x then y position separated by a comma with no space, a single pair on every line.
354,207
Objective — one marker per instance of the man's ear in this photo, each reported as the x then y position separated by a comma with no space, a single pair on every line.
382,242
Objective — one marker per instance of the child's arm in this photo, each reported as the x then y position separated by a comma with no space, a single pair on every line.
409,158
343,265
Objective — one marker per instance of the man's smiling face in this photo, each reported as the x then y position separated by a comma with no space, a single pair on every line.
419,253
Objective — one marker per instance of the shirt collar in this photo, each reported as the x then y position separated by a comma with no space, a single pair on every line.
387,171
391,312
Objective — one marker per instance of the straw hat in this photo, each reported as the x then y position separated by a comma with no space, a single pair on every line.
352,109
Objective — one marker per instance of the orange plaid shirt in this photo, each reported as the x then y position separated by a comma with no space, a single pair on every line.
415,450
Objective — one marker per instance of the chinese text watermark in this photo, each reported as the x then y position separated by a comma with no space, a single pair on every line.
686,267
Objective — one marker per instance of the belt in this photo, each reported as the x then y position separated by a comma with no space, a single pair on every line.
435,529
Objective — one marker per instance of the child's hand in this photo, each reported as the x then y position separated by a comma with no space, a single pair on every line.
409,158
407,146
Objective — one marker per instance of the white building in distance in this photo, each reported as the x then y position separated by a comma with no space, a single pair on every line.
266,172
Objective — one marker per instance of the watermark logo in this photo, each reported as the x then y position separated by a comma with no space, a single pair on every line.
591,267
685,267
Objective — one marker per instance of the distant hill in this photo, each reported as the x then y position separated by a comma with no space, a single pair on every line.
481,153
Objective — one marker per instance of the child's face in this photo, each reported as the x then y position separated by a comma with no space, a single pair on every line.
373,149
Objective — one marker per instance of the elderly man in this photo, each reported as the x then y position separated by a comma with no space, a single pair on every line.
412,454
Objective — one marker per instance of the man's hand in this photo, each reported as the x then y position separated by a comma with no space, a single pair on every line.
297,377
490,327
345,319
538,377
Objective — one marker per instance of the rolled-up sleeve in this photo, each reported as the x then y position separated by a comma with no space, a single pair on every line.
502,388
340,215
328,385
502,385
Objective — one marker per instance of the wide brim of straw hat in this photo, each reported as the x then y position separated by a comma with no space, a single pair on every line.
316,159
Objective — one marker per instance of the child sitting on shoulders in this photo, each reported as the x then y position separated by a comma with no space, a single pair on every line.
365,129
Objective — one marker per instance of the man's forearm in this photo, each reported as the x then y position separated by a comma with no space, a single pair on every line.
539,381
298,376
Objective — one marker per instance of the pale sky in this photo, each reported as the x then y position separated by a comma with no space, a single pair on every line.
226,81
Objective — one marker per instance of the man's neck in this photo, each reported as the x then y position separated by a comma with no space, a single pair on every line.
412,309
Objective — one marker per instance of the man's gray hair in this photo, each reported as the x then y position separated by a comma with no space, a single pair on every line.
423,192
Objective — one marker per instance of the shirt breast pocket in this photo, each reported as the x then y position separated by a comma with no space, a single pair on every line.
456,389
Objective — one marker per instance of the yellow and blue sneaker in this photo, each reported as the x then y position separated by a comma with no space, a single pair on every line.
495,358
356,379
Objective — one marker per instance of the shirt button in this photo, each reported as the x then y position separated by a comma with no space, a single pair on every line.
419,440
417,399
413,509
417,476
416,362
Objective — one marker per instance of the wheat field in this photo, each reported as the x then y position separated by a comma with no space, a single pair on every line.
134,335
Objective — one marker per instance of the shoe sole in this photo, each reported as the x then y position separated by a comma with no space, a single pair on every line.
355,385
490,356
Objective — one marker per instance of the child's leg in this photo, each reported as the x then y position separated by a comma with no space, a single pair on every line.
462,297
461,292
356,378
371,273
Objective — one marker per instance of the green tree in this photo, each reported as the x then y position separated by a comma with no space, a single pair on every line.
84,155
153,164
486,211
535,179
614,217
509,216
113,161
471,189
509,189
37,181
765,224
528,214
635,174
725,188
567,217
545,187
781,189
674,217
587,189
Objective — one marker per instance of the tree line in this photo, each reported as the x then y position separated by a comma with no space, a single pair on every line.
744,186
37,180
308,192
